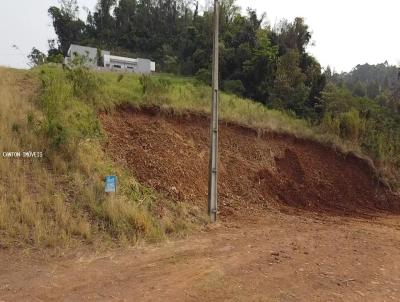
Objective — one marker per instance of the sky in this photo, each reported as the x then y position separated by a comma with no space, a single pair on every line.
344,32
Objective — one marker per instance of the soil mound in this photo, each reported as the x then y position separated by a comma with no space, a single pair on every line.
169,153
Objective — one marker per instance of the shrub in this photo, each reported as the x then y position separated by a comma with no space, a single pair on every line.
330,124
85,83
68,118
204,76
57,133
352,126
234,86
154,86
56,58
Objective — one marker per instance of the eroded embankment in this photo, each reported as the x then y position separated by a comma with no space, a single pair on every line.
169,153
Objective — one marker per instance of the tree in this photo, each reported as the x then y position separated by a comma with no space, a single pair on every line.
54,54
359,89
328,73
292,35
259,68
68,28
104,23
373,89
125,23
36,57
290,91
268,65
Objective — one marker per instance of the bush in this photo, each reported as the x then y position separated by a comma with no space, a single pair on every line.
330,124
204,76
170,64
68,117
56,58
348,126
234,86
154,86
57,133
352,126
85,84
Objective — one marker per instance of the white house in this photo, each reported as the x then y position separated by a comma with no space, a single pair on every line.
108,61
90,54
138,65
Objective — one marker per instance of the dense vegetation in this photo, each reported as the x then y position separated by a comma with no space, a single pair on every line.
267,64
259,62
380,83
363,106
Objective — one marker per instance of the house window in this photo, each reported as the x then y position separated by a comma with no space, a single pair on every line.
116,66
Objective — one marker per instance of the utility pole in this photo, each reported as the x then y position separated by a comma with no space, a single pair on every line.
213,163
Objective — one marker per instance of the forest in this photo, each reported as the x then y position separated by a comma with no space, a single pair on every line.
268,64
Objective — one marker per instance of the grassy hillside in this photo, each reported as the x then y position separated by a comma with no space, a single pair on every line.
59,200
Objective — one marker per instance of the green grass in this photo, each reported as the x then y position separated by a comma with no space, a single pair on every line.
186,94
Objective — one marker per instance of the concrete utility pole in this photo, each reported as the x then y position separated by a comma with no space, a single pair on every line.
212,180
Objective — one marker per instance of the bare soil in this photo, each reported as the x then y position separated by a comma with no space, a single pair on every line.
279,257
299,222
257,170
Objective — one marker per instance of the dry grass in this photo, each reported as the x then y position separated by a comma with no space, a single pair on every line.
31,208
59,200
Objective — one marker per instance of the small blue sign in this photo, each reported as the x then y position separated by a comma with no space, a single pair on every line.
111,184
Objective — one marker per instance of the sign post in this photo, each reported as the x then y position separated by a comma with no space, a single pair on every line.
110,184
213,168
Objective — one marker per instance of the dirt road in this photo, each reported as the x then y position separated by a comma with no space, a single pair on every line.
278,257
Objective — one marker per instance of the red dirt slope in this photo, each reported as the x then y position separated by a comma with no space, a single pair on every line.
257,171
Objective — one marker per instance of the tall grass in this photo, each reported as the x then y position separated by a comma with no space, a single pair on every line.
186,94
59,200
32,210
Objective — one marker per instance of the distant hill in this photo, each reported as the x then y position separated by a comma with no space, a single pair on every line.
369,80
